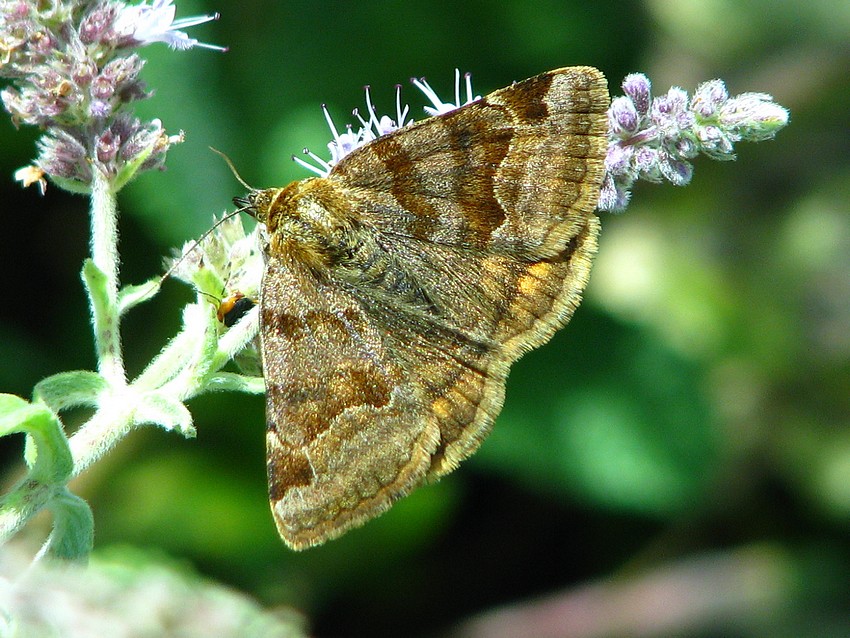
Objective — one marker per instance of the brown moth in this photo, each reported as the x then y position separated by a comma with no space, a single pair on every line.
400,288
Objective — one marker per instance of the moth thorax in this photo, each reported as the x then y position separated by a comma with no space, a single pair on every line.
271,203
310,217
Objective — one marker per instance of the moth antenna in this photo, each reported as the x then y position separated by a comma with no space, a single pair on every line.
215,300
200,239
244,206
233,170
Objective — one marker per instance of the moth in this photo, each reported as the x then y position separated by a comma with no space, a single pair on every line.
399,289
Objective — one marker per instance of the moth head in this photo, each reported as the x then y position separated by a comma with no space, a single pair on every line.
258,203
271,206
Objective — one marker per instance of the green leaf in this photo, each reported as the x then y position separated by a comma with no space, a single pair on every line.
70,389
49,457
95,280
129,169
96,283
71,185
131,296
10,407
163,410
208,282
230,381
72,537
97,286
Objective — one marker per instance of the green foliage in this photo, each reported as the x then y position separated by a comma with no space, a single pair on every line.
48,455
72,537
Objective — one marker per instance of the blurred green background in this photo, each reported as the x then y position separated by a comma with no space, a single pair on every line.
676,461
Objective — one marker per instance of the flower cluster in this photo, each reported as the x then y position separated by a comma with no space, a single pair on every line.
74,75
226,261
655,138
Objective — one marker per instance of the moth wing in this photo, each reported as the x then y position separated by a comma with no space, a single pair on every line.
518,171
487,310
368,396
348,433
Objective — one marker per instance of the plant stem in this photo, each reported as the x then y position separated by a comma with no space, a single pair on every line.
115,417
104,250
111,423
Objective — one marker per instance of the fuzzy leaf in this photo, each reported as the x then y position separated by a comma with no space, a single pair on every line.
72,537
96,284
208,282
71,185
49,456
230,381
163,410
70,389
131,296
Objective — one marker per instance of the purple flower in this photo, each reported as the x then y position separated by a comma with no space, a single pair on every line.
623,117
654,139
708,97
618,159
637,87
73,77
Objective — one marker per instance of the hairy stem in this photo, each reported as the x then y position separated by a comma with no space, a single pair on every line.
104,250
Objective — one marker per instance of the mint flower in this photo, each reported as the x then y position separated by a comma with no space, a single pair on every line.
145,24
656,138
438,107
74,76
